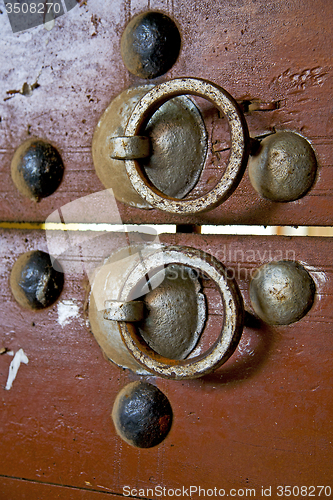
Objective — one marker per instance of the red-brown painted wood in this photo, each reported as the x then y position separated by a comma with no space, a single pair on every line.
263,419
267,50
27,490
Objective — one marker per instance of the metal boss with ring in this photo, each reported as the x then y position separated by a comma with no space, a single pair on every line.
121,298
119,142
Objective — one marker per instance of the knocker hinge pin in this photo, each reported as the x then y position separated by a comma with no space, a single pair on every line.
124,311
129,148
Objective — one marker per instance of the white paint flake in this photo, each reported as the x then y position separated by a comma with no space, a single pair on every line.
20,357
67,311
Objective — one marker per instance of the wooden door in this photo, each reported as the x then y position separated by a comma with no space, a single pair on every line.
261,424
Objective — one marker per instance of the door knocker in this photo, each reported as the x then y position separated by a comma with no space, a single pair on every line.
150,147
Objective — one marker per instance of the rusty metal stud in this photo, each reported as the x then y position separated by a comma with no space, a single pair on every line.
34,281
238,154
37,169
284,167
231,329
150,44
142,415
281,292
175,136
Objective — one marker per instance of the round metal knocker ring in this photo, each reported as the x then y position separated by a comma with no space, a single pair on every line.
239,144
232,326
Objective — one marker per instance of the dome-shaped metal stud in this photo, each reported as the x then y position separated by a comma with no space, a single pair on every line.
34,282
281,292
283,167
150,44
37,169
142,415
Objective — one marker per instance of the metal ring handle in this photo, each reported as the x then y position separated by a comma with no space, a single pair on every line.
232,326
239,144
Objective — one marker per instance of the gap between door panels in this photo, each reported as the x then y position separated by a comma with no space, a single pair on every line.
322,231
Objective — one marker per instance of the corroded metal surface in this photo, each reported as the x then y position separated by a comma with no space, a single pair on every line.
167,305
175,138
176,313
34,282
239,144
124,311
282,292
142,415
162,341
105,286
284,167
231,330
150,44
37,169
123,148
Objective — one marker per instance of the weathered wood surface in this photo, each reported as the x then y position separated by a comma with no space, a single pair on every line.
267,50
263,419
22,489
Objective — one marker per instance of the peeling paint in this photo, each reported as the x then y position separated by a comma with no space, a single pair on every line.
20,357
4,350
67,311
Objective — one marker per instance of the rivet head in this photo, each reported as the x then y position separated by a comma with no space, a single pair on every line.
281,292
283,167
150,44
142,415
35,283
37,169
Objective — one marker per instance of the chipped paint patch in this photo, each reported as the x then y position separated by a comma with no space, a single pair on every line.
67,311
4,350
20,357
